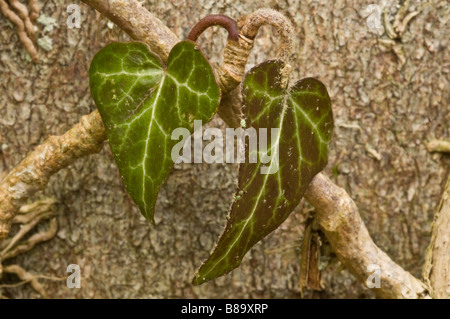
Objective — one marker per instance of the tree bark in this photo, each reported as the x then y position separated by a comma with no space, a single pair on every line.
398,109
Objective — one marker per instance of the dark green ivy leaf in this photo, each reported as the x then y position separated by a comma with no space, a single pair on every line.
141,102
263,201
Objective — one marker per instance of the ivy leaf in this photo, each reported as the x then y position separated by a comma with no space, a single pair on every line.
141,102
304,117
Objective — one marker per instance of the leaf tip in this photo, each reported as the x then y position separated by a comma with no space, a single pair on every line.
197,280
151,219
149,214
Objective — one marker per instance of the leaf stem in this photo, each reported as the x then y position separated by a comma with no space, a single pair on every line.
215,20
249,27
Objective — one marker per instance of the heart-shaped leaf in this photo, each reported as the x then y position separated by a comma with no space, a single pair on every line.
141,102
263,201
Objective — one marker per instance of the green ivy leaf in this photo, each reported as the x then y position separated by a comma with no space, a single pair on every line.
141,102
304,117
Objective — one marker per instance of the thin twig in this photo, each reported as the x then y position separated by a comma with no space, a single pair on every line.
232,70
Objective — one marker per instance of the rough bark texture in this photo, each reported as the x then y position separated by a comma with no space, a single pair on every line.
385,114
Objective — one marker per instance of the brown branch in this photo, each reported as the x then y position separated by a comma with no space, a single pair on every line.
436,271
232,70
25,229
33,240
139,23
32,174
236,51
339,218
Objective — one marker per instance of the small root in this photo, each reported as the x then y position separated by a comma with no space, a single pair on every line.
34,9
21,30
33,241
402,19
25,229
26,277
31,215
22,11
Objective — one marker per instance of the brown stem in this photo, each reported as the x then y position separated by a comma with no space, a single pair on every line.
250,26
215,20
339,218
236,54
55,153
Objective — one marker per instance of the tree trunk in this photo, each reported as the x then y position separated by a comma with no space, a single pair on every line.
385,110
